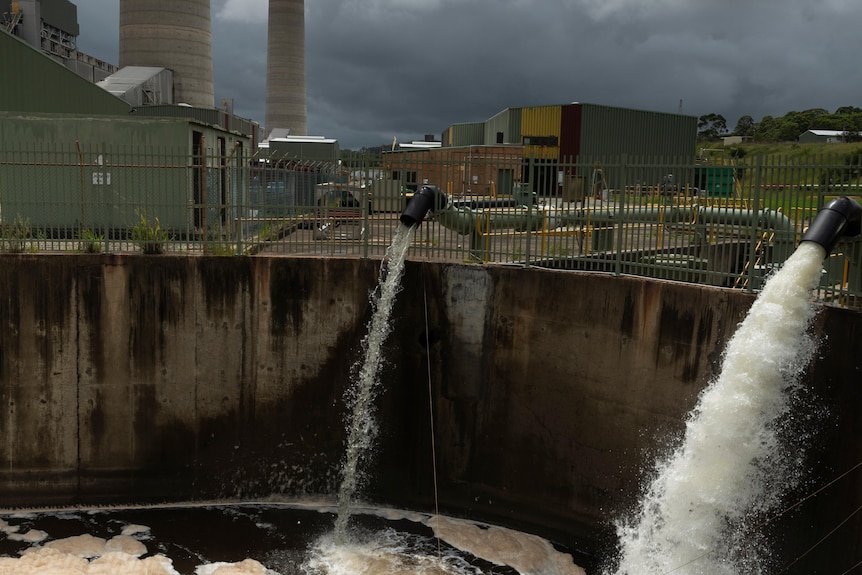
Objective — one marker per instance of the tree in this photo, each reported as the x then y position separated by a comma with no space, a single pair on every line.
711,126
765,129
744,126
848,110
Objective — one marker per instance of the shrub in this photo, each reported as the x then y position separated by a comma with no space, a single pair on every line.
13,235
149,235
91,242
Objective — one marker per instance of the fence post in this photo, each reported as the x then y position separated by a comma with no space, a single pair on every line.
752,241
365,192
81,178
620,211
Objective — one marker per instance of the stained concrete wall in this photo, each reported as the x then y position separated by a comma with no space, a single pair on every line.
136,378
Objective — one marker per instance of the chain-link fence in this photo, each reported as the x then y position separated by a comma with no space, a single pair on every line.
718,221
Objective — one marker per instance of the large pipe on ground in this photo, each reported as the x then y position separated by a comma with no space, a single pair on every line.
840,217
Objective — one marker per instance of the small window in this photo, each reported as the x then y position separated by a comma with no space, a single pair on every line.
540,140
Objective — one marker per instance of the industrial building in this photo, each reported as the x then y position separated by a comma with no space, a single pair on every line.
33,81
165,54
51,26
65,141
578,130
175,35
458,171
558,146
285,68
147,135
97,181
828,136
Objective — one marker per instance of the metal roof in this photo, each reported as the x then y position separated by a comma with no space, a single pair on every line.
827,132
128,77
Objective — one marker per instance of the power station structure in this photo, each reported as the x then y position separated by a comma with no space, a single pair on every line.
52,27
285,67
178,36
166,53
172,35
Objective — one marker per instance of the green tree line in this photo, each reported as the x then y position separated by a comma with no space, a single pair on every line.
847,119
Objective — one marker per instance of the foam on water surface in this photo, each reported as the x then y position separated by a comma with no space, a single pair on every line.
291,537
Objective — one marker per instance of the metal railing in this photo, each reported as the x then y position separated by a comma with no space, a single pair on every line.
717,222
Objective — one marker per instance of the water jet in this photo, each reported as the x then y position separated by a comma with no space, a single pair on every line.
694,514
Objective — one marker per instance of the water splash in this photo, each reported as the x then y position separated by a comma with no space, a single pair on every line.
692,518
362,426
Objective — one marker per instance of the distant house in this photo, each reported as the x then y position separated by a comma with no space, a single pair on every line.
731,140
826,136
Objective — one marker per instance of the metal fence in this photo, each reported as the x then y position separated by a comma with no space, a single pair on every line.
716,221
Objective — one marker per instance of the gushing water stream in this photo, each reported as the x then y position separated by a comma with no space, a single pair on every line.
361,429
692,517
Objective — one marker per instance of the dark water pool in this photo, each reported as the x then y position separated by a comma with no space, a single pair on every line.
284,539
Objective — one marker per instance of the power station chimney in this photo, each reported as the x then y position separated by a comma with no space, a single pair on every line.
175,35
285,67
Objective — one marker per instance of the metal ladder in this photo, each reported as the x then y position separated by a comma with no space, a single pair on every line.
759,251
11,23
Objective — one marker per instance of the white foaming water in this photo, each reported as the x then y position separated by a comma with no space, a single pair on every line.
692,516
457,547
362,427
89,555
390,552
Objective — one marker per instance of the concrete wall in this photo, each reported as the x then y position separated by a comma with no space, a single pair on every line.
135,379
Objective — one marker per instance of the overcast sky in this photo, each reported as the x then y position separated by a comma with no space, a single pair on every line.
382,68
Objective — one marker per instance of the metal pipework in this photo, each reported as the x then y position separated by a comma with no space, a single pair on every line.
426,199
466,221
840,217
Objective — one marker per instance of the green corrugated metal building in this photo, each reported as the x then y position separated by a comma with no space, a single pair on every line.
64,172
611,131
467,134
557,137
211,116
504,128
34,82
570,131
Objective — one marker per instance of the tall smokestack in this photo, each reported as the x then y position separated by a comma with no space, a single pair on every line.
285,67
175,35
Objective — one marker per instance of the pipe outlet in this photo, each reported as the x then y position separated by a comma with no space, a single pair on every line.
426,199
840,217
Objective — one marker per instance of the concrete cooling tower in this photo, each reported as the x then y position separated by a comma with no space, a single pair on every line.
285,67
171,34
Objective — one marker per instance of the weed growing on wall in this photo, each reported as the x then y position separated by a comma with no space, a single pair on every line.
148,234
13,236
91,242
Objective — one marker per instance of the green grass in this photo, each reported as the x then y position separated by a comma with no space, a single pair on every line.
793,176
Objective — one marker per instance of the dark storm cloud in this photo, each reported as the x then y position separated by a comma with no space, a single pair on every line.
383,68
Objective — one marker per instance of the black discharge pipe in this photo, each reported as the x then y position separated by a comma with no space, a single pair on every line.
840,217
426,199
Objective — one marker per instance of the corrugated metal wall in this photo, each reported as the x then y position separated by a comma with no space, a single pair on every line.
570,132
211,116
33,82
540,132
608,131
91,158
507,122
469,134
61,14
